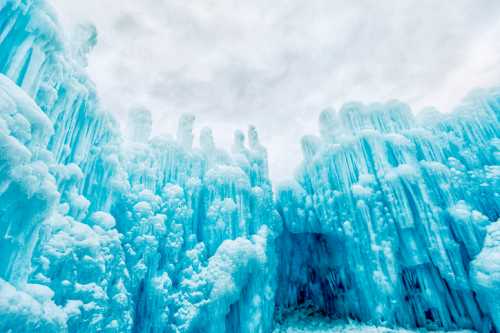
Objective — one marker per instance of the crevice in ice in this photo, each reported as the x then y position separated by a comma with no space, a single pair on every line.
309,275
315,276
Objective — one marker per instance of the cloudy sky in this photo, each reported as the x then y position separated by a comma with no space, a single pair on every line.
277,64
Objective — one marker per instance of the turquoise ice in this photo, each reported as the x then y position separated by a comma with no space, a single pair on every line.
392,219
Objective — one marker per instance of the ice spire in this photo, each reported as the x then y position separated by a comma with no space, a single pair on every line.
352,116
207,143
253,138
238,142
310,145
185,131
258,155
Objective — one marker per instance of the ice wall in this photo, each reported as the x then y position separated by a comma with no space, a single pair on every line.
52,136
485,273
398,207
99,234
28,195
180,207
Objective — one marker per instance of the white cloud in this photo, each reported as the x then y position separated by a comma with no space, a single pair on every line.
276,64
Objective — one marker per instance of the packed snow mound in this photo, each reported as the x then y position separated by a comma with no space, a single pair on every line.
388,220
322,325
30,311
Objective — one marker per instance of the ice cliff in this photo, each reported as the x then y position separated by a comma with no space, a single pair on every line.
390,220
387,213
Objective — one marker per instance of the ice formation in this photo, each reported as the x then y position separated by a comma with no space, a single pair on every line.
390,220
388,211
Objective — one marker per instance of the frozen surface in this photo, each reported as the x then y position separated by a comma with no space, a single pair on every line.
485,273
307,323
389,221
387,212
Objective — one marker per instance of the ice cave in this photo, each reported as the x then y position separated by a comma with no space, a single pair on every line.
392,219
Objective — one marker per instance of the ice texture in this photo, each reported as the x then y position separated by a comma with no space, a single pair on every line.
386,213
485,273
306,322
390,219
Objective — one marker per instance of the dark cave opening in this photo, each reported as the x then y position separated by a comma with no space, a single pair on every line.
316,279
311,276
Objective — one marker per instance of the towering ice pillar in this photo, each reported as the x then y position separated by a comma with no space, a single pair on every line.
212,154
240,152
207,143
253,139
185,131
352,116
238,142
258,157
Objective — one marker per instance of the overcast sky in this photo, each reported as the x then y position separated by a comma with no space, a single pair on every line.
276,64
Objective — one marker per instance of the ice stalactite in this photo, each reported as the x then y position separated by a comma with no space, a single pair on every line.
29,195
28,191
